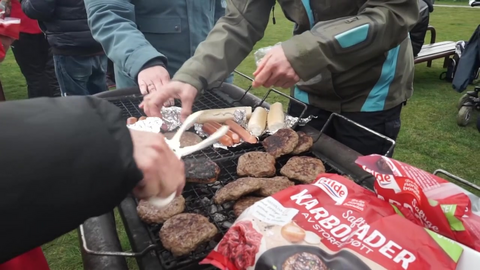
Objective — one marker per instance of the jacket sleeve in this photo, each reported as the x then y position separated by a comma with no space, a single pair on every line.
419,31
242,26
112,23
62,161
41,10
378,27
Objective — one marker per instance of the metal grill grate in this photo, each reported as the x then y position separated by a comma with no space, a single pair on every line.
198,200
208,100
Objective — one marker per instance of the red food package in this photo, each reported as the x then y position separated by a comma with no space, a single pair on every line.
330,224
439,205
10,27
33,259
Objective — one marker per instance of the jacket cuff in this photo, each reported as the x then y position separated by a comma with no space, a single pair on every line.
140,57
300,50
152,63
186,78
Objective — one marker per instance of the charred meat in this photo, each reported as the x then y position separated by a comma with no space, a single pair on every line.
303,169
245,202
236,189
256,164
273,185
152,215
201,171
304,261
183,233
305,142
187,139
281,143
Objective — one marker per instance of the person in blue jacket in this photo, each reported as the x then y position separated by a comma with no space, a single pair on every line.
149,40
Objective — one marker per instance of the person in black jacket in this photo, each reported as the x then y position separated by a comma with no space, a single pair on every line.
80,63
65,160
417,34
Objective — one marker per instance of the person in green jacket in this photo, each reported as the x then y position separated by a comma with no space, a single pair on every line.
351,57
149,40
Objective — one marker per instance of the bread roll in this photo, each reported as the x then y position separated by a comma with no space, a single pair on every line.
276,117
258,121
221,115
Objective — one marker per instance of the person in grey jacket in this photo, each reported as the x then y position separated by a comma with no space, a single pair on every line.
417,34
149,40
80,63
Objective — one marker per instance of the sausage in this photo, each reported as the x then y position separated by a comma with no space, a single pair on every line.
209,129
243,133
131,120
231,134
142,118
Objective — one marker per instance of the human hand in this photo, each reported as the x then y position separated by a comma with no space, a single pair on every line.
163,172
152,79
275,70
153,102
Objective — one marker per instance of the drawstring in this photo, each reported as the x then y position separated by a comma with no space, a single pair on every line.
273,15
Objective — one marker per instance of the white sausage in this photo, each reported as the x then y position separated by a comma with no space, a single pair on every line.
257,122
276,117
221,115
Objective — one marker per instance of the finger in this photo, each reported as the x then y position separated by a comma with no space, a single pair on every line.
153,103
288,84
169,103
187,104
141,105
262,77
262,64
143,87
274,80
152,87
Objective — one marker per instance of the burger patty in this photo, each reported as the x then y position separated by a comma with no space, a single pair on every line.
303,169
256,164
281,143
273,185
201,171
304,261
152,215
188,138
245,202
305,142
236,189
183,233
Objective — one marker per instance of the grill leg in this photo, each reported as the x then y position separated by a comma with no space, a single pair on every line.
101,235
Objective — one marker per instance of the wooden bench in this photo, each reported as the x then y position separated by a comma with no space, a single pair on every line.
435,50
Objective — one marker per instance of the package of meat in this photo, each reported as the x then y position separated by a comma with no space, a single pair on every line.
330,224
439,205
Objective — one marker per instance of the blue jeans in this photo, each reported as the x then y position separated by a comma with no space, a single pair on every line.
81,75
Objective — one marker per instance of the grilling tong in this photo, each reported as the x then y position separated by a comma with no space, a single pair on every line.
174,144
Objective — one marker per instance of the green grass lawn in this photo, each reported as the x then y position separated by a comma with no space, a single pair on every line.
429,139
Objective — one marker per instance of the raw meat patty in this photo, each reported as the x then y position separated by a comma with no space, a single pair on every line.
256,164
201,171
304,260
188,138
273,185
245,202
183,233
303,169
152,215
305,142
236,189
281,143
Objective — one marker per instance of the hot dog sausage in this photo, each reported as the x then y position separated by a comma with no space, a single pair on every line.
231,134
243,133
209,129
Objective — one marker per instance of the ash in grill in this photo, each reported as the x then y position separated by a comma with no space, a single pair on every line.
199,200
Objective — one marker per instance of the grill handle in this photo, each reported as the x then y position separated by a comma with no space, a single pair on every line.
359,126
457,179
111,253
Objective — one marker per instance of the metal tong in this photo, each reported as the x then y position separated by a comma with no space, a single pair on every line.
174,144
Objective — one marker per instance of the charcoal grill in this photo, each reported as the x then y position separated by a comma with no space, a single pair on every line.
144,238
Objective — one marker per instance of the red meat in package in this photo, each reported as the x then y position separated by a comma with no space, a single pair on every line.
439,205
330,224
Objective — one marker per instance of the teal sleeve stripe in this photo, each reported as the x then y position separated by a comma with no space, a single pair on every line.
301,95
376,98
308,9
353,36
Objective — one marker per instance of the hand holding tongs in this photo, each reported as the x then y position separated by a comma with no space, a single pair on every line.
174,144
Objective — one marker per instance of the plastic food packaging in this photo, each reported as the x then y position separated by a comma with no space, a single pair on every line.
439,205
330,224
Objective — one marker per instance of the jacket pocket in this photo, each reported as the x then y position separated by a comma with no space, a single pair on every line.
159,25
